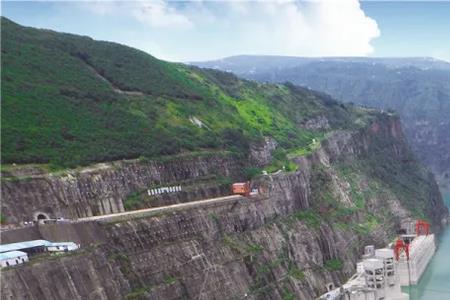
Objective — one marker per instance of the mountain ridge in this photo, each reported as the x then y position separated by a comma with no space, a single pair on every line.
417,89
392,61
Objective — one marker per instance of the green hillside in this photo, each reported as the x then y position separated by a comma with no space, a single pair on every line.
68,100
418,89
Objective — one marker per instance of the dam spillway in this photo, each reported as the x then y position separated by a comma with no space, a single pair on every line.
434,283
422,249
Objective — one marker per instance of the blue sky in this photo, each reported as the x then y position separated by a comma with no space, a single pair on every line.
202,30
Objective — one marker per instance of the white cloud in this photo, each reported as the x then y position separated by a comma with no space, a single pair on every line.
99,7
155,13
441,54
319,28
158,13
217,29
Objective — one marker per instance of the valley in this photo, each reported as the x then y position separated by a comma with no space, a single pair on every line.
133,159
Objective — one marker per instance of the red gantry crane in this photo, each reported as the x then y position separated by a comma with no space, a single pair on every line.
422,227
401,245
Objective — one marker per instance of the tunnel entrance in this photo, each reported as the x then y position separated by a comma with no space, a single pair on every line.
39,216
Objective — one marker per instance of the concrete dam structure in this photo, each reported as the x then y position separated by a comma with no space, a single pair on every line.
422,249
380,275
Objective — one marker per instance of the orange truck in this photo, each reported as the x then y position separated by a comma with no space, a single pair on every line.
241,188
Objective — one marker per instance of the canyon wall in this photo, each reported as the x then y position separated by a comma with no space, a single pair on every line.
304,230
103,188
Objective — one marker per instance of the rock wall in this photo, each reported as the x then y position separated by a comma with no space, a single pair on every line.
102,189
216,253
80,276
277,245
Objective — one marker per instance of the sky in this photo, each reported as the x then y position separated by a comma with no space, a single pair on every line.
206,30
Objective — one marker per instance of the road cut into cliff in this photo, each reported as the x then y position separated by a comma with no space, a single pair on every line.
164,209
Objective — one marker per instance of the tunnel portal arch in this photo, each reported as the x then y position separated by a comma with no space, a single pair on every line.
39,215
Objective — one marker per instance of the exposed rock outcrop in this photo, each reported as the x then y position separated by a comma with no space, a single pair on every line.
103,188
304,230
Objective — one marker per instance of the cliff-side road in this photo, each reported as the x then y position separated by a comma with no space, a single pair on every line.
146,211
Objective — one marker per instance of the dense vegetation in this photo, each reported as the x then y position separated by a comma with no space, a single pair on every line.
417,88
69,100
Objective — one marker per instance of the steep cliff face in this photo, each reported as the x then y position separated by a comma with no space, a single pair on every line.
304,230
104,188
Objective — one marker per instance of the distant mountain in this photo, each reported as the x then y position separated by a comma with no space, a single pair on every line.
250,64
417,88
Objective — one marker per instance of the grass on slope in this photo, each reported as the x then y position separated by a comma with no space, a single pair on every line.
67,102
